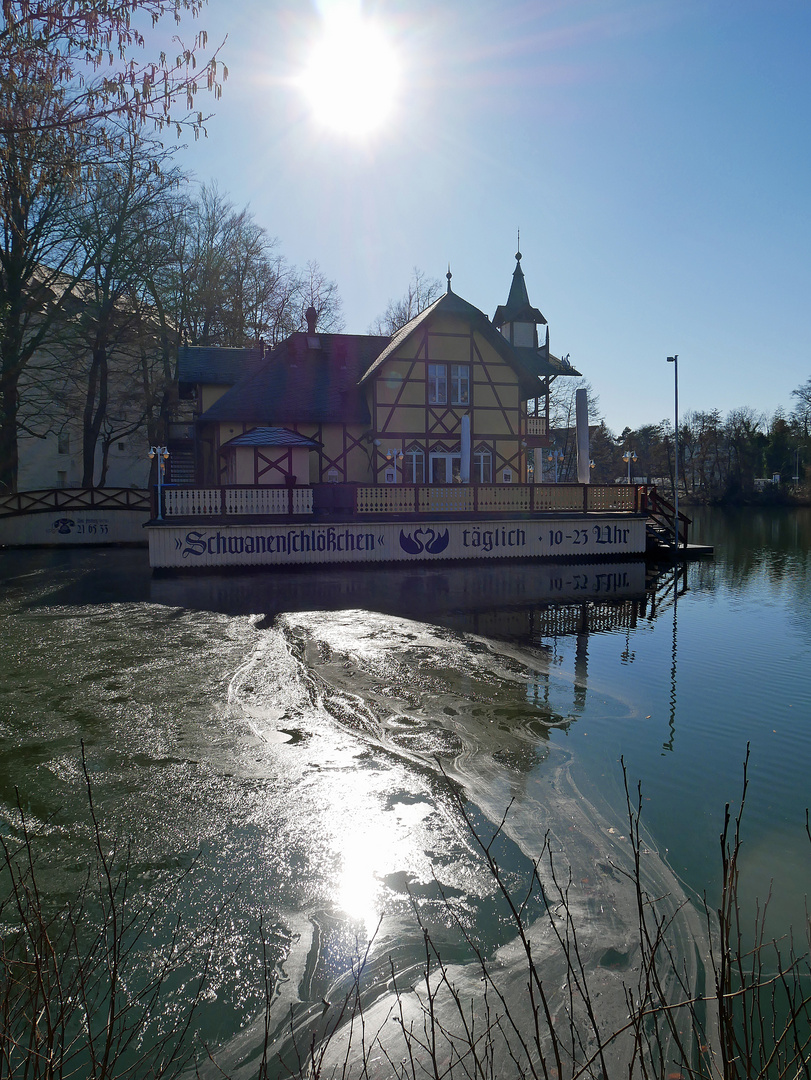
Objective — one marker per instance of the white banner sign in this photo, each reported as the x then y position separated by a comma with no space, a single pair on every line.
285,545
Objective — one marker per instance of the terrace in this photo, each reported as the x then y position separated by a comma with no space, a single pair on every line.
328,500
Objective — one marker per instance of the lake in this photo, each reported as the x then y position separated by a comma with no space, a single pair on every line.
302,733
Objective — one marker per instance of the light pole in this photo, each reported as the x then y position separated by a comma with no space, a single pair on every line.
674,360
392,456
557,457
161,453
629,456
797,467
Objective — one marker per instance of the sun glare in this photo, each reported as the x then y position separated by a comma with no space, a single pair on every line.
351,77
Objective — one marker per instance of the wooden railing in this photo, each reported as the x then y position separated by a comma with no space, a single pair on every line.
500,498
228,501
536,425
236,501
49,499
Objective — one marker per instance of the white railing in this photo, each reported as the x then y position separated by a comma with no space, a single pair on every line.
612,497
405,499
558,497
243,501
236,501
536,425
503,497
453,499
386,499
191,502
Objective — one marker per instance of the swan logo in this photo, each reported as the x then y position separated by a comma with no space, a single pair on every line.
424,540
64,525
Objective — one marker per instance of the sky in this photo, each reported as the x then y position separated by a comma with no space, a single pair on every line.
654,154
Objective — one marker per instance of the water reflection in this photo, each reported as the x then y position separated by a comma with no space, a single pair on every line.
291,724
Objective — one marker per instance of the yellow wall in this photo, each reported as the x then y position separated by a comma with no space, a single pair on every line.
403,417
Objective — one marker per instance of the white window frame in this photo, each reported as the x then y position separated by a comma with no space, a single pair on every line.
482,467
437,384
460,384
414,467
450,458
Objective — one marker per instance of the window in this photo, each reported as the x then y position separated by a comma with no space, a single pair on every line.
437,384
446,467
62,479
483,467
414,467
63,442
460,384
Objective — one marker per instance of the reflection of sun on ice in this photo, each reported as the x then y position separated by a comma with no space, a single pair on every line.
351,77
372,848
358,885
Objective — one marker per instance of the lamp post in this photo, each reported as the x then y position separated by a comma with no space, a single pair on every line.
797,467
392,456
674,360
628,457
557,457
161,453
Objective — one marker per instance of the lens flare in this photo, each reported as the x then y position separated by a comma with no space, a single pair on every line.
352,76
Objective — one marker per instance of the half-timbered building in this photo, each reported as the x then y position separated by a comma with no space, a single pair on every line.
349,448
451,398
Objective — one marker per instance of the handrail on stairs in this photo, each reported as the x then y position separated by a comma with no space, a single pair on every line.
663,513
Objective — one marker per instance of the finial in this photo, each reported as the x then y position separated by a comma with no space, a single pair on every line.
518,252
449,275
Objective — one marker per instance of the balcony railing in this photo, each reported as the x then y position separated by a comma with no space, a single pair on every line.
403,499
236,501
537,425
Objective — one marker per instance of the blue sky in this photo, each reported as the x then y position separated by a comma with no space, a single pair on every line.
655,154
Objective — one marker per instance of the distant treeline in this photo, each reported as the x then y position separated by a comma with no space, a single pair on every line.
743,456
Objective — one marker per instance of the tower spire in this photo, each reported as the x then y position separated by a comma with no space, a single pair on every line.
518,320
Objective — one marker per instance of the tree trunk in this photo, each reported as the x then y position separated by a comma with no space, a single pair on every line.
8,432
94,413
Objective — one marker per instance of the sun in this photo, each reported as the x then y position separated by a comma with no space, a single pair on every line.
352,75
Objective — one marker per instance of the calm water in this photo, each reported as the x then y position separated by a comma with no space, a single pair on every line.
294,730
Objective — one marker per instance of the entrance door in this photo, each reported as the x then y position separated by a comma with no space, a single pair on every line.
445,468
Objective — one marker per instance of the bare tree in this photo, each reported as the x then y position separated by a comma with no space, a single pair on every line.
317,291
83,57
70,90
420,294
802,410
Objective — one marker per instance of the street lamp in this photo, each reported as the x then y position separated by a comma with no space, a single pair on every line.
674,360
629,456
393,456
162,454
556,456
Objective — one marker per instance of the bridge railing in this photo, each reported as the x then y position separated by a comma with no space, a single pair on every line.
49,499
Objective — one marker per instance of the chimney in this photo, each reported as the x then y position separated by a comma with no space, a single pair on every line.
311,315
